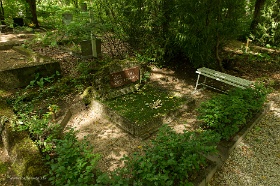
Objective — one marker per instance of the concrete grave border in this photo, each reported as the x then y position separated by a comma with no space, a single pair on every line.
20,75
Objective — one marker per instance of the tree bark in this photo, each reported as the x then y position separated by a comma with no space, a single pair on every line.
2,16
218,39
32,8
257,14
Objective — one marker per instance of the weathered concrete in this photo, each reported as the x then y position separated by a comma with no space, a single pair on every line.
20,74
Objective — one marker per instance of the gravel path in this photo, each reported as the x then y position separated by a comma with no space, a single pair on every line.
256,160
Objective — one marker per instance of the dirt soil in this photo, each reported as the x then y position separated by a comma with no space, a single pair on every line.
10,58
112,142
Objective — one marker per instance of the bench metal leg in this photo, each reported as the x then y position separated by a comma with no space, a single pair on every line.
197,81
204,82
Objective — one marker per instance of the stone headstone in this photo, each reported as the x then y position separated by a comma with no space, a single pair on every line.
86,48
83,7
118,78
91,48
96,48
125,77
18,21
67,18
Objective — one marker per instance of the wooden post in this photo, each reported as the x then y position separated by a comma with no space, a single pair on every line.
247,45
95,43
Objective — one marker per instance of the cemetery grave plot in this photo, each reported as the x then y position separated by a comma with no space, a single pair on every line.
19,66
131,102
141,113
108,138
11,59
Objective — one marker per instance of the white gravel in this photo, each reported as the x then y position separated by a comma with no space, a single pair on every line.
256,160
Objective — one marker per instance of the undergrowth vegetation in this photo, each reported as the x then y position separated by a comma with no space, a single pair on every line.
170,158
228,113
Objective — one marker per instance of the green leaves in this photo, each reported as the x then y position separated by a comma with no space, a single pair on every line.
171,158
74,163
226,114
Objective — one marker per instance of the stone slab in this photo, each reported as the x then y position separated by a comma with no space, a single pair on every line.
19,73
125,77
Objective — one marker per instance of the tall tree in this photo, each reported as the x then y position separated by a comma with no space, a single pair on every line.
257,14
2,17
33,11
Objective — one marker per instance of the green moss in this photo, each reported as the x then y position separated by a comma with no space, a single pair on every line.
5,110
146,105
3,167
28,162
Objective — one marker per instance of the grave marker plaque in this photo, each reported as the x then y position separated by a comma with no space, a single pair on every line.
124,77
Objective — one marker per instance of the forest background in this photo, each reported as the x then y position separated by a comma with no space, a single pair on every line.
164,31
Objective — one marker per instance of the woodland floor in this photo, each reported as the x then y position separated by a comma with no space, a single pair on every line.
110,141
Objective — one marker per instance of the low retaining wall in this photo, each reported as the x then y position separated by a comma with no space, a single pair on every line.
20,75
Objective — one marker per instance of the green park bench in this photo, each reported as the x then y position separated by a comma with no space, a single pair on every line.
222,77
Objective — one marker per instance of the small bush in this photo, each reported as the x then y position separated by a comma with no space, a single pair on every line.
171,159
74,162
226,114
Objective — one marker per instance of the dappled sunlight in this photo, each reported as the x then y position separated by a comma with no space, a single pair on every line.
108,140
110,133
83,117
18,38
7,37
115,159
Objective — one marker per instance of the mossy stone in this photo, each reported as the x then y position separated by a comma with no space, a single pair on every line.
28,162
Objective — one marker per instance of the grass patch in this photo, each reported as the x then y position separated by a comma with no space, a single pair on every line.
148,103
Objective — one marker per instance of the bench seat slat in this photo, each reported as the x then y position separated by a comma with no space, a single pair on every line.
225,78
235,83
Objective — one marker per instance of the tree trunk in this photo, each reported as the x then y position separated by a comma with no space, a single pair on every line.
218,39
257,14
219,61
32,7
2,17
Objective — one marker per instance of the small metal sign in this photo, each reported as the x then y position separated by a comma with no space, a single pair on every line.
124,77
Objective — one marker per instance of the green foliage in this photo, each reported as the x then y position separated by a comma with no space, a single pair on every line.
166,29
145,105
170,159
268,30
36,108
42,129
41,81
74,162
227,114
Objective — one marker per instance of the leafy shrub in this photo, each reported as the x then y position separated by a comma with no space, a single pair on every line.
226,114
268,30
74,162
171,159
